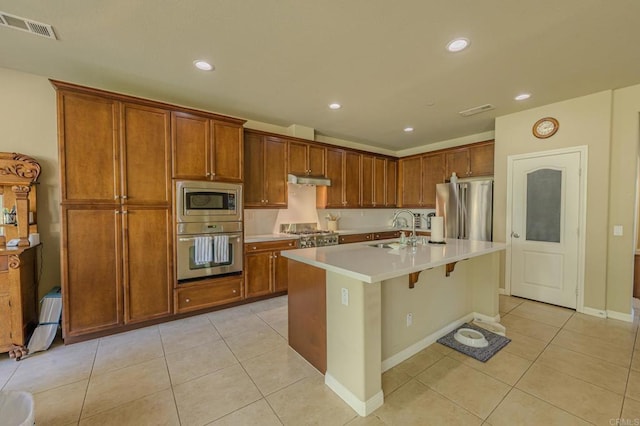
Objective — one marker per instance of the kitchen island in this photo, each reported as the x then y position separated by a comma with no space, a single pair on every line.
357,310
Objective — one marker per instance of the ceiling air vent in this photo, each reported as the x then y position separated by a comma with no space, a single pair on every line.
476,110
22,24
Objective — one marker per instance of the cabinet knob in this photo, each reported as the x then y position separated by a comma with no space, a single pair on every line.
116,197
254,248
290,244
213,174
125,212
116,211
235,291
124,197
266,201
207,174
187,300
275,256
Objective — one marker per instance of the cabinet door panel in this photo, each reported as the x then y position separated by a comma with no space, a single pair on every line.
481,160
89,146
254,170
411,182
146,144
190,141
432,174
297,158
379,181
367,196
280,273
457,161
352,170
391,183
227,152
148,275
6,324
258,274
316,160
92,283
334,172
275,169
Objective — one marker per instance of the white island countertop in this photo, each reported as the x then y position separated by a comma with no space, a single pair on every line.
372,264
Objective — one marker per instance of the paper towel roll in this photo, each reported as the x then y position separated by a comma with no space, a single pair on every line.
437,229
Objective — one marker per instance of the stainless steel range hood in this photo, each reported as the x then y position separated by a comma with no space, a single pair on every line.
309,180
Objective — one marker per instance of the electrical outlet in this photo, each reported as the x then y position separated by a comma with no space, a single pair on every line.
345,297
409,319
617,230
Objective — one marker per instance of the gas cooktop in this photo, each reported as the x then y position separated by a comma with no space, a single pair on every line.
310,235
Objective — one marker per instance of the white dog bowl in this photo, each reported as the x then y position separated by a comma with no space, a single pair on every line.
471,337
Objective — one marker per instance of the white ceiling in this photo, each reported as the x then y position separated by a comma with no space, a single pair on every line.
283,61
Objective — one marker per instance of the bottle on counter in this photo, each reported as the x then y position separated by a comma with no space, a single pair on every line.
403,238
454,178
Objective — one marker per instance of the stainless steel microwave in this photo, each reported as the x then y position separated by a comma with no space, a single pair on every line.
200,201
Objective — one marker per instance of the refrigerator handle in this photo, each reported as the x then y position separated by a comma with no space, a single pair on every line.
463,212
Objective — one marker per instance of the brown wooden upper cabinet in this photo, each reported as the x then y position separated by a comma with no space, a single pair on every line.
206,148
344,170
306,159
123,147
471,160
265,171
378,181
418,178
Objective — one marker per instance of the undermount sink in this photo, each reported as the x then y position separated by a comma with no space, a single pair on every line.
388,245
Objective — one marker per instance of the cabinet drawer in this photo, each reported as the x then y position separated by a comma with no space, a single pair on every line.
224,290
386,235
354,238
270,245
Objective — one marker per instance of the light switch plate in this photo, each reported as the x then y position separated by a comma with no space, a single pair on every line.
345,297
617,230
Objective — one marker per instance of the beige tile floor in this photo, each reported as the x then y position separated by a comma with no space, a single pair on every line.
234,367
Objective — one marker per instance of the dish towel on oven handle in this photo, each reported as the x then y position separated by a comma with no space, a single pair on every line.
203,250
221,251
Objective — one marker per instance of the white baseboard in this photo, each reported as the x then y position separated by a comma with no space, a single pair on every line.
503,291
594,312
363,408
620,316
407,353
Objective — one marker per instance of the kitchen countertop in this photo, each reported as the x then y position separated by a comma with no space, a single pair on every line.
269,237
372,264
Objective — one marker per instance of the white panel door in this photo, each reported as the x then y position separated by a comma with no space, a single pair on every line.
545,221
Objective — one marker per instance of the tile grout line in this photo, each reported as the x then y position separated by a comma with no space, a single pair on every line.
626,385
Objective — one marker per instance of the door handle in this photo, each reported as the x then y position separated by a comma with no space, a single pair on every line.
515,235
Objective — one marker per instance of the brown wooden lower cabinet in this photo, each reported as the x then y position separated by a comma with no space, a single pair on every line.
307,313
208,293
385,235
18,315
265,269
355,238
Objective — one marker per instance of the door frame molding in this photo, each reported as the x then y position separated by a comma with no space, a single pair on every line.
582,214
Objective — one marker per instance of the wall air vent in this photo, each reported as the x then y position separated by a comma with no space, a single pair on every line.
22,24
476,110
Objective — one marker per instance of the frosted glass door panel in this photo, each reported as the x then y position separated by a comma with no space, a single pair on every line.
544,205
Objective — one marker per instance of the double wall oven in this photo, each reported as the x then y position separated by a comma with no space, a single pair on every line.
208,229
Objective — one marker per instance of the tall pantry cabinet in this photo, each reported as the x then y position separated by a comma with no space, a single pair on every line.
116,210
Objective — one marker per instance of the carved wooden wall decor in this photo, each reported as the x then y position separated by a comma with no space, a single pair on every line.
19,172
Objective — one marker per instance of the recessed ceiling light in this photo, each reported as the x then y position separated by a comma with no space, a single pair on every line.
522,96
202,65
457,44
335,106
408,129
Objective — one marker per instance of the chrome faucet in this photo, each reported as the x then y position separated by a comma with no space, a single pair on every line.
413,238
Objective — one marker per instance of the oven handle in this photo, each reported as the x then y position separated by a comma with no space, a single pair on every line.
185,239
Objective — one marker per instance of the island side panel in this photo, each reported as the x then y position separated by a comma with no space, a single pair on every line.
354,341
307,313
485,278
435,302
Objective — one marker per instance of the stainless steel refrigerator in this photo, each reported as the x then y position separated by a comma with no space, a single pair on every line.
467,208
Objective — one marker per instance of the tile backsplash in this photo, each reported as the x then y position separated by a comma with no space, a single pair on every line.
302,209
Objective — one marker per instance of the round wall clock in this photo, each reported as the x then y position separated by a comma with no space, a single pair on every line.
545,127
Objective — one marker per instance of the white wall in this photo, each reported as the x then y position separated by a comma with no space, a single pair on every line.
583,121
28,117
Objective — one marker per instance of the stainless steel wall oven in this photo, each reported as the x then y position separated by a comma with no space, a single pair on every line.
209,229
